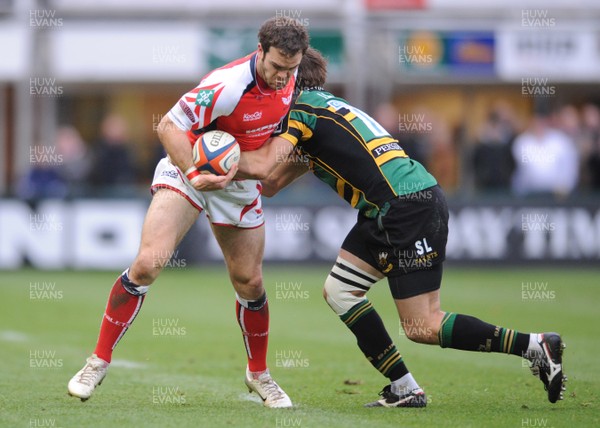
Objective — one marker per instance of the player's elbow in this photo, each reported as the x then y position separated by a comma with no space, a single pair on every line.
259,172
270,188
269,193
165,127
162,126
247,172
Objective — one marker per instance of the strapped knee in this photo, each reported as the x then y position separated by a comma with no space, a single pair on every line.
342,281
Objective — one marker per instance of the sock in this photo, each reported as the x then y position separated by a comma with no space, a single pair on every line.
534,349
253,318
374,341
124,303
404,385
471,334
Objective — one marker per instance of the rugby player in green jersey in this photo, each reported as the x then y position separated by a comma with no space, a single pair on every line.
400,233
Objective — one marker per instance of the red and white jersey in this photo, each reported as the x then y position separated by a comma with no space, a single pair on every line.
230,99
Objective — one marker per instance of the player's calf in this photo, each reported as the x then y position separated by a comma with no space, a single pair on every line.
421,329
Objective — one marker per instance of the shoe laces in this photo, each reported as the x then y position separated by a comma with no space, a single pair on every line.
270,387
89,372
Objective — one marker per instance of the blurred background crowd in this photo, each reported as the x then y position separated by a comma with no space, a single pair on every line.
555,153
106,166
495,100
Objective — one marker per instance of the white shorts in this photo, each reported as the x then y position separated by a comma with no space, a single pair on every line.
237,205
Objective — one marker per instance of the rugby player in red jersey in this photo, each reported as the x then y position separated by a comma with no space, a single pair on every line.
247,98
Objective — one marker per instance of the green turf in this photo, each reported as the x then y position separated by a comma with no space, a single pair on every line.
190,346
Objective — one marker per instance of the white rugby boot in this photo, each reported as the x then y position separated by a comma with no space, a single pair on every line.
85,380
268,390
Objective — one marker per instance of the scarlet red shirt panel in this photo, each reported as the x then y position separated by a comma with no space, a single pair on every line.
234,99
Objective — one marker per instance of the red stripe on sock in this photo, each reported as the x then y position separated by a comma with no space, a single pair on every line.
255,330
121,310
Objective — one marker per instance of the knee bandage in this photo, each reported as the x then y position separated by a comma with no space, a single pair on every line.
344,279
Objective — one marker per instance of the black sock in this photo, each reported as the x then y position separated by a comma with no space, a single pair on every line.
374,341
471,334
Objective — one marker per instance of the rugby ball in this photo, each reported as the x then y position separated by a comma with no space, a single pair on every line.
215,152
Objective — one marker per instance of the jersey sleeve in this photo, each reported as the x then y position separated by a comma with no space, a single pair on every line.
217,95
296,126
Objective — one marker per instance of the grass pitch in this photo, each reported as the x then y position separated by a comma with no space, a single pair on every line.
182,363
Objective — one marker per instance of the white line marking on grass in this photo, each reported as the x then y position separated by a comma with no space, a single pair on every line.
13,336
126,364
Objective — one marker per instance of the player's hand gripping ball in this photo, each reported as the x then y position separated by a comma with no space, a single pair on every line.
215,152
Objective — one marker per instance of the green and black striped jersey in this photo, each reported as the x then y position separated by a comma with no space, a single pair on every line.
351,152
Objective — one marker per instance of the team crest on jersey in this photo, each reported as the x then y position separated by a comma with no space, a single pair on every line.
205,97
383,262
287,100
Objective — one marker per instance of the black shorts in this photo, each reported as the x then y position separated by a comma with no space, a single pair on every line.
408,236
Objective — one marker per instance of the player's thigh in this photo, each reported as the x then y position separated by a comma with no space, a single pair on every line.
168,219
243,250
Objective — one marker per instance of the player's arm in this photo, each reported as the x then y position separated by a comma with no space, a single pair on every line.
274,164
196,110
177,146
259,164
285,173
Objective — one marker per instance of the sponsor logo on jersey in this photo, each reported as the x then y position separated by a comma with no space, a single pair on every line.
384,148
324,95
205,97
279,129
169,173
188,111
269,128
252,116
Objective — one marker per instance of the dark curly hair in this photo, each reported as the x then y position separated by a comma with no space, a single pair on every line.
285,34
312,72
